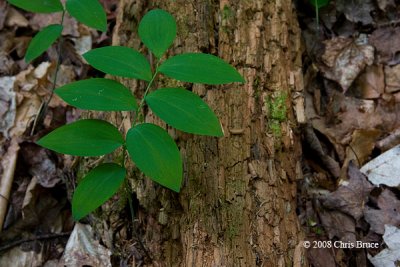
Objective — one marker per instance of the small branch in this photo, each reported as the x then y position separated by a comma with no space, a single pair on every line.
36,238
9,163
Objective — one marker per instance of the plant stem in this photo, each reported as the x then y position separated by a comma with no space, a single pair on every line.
145,94
57,64
317,16
44,106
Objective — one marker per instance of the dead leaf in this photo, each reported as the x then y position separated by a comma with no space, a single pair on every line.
3,13
351,195
315,145
17,257
83,250
388,212
39,21
386,40
356,10
7,104
392,78
385,3
385,168
41,165
338,224
344,59
322,257
360,148
7,64
371,83
15,18
390,256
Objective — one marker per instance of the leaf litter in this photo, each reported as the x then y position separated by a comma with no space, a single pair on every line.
352,93
352,105
37,220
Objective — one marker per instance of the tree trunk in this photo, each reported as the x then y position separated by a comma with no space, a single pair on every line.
237,206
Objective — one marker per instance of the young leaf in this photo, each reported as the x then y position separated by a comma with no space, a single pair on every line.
84,138
97,187
89,12
97,94
120,61
38,6
319,3
200,68
157,29
42,41
184,110
155,154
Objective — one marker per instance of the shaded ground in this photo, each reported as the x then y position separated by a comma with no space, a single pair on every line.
352,105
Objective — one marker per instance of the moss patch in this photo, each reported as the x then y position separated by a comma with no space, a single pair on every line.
277,112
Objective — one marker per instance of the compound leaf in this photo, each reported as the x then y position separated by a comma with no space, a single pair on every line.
84,138
120,61
88,12
38,6
98,94
97,187
155,154
42,41
157,30
200,68
184,110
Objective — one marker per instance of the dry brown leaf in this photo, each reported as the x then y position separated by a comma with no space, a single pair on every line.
371,83
321,257
361,146
39,21
344,59
15,18
41,165
392,78
361,114
338,224
351,195
388,212
385,3
386,40
3,13
356,10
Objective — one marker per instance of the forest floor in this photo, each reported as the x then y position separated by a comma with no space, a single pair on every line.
349,196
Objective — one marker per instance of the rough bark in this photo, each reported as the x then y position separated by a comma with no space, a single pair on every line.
238,200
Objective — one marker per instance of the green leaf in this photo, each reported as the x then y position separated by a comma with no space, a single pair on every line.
185,111
89,12
157,29
98,94
319,3
97,187
38,6
120,61
84,138
155,154
200,68
42,41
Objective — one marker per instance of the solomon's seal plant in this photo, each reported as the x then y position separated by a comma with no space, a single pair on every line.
149,146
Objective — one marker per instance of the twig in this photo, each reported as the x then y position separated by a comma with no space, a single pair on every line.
9,163
39,237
